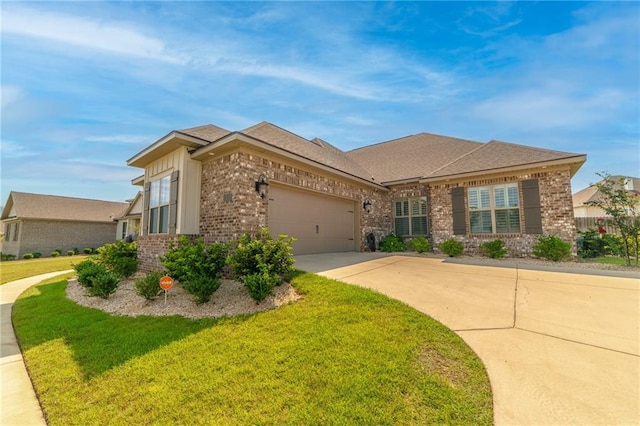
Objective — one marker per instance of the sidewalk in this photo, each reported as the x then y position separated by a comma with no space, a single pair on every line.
19,405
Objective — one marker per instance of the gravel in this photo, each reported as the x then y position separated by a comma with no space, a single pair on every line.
230,299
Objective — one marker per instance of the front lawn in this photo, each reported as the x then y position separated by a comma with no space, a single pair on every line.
341,355
12,270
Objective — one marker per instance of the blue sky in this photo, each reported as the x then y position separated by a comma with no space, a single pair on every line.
86,85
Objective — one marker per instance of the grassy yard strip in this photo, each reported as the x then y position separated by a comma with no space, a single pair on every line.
341,355
608,260
18,269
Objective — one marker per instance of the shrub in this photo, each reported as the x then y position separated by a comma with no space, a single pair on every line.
55,253
186,260
5,256
37,255
149,285
88,250
392,243
551,247
260,285
201,286
451,247
70,252
261,253
420,245
121,258
87,270
494,249
104,284
27,256
590,244
613,245
59,251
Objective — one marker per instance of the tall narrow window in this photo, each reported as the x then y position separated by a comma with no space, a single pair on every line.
494,209
410,216
159,205
16,230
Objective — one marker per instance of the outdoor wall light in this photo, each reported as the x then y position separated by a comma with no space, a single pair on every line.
366,205
261,185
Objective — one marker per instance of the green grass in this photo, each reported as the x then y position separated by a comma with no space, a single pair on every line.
611,260
341,355
17,269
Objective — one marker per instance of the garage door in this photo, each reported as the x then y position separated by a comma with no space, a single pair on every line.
321,224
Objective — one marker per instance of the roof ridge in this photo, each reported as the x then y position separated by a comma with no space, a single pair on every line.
66,196
411,136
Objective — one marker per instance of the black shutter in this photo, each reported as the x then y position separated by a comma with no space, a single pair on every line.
173,203
145,209
531,206
457,203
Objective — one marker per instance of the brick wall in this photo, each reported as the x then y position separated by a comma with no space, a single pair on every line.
44,236
556,210
152,247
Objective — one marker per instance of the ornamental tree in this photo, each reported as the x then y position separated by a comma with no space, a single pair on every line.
621,207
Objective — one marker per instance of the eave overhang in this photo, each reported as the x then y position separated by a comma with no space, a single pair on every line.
574,164
164,146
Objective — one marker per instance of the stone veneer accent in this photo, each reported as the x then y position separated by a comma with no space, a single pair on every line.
230,206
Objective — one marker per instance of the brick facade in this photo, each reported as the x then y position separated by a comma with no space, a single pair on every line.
230,206
152,247
45,236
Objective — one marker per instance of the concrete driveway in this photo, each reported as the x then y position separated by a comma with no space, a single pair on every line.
559,348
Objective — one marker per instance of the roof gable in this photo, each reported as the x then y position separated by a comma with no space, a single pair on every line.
497,155
38,206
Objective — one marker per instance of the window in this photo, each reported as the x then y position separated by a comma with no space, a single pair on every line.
7,232
16,229
159,205
410,216
124,230
494,209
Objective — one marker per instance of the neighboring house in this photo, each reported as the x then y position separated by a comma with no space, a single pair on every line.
129,223
217,184
591,193
44,223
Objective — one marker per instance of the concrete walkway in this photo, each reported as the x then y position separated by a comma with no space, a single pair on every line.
559,348
19,405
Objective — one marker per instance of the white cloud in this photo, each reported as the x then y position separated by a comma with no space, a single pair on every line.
83,32
10,95
10,149
124,139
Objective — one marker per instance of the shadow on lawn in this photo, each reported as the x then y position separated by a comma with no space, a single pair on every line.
99,341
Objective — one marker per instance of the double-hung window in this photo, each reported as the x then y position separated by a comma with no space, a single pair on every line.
494,209
159,205
410,216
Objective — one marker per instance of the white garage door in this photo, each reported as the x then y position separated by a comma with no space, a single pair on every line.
320,224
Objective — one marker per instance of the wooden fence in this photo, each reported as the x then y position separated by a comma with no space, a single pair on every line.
584,223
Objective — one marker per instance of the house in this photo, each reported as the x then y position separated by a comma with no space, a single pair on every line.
36,223
129,223
591,193
216,184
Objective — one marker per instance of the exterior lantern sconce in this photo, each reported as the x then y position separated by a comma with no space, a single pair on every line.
366,205
261,185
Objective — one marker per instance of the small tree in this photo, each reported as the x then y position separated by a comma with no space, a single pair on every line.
620,205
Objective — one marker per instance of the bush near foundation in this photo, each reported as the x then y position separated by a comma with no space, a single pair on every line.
392,243
494,249
552,248
451,247
121,258
420,245
260,253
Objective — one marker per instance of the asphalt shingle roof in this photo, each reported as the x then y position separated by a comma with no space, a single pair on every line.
316,149
53,207
208,132
413,156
